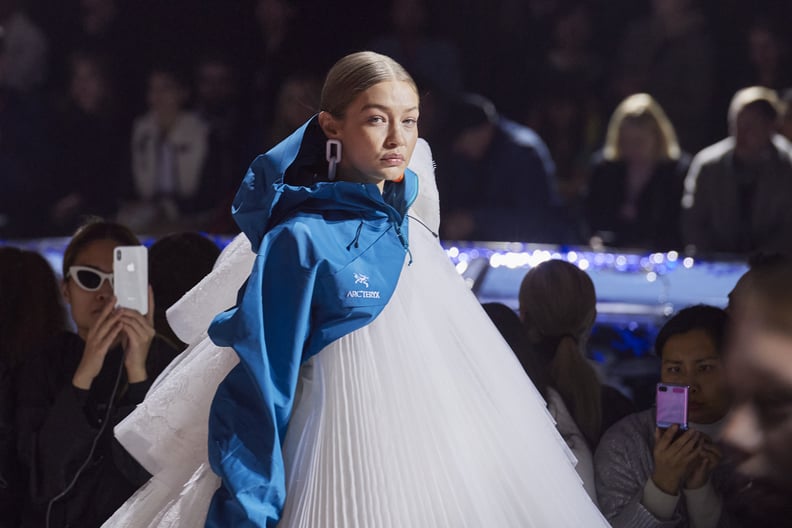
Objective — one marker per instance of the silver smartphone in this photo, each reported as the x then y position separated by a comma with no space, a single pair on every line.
130,277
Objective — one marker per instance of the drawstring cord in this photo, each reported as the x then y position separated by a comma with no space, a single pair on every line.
426,226
357,237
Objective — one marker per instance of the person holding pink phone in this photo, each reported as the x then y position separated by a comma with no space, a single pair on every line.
77,387
648,476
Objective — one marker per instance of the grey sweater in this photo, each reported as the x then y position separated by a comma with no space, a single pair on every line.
623,466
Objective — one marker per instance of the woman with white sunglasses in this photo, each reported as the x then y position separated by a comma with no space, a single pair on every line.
74,390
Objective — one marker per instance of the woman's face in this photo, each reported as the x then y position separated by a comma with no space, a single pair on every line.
86,305
87,85
637,143
378,133
165,95
693,359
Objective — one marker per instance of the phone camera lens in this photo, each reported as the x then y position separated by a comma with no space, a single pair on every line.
118,255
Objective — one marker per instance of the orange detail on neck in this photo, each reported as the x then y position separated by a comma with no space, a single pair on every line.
399,179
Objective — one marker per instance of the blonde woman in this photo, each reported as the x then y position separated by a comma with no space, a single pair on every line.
635,186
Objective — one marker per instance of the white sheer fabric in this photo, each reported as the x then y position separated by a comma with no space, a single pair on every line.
423,418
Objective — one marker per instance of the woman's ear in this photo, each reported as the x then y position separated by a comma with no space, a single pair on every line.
330,125
65,291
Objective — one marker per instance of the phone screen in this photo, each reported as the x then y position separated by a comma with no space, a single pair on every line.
672,405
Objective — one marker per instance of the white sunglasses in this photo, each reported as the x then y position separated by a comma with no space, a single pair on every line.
89,279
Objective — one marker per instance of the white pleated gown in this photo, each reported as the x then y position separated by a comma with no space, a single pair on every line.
422,419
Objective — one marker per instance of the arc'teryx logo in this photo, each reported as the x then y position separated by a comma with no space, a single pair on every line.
361,279
362,294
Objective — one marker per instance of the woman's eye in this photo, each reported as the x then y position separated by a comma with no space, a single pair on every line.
376,119
410,121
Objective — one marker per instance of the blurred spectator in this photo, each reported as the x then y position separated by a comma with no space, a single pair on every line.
91,152
169,145
737,191
74,390
635,186
26,48
768,60
217,103
671,55
297,101
496,177
558,309
177,262
430,60
24,157
515,334
31,314
760,371
651,477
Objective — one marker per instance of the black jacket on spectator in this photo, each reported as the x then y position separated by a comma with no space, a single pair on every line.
658,207
57,424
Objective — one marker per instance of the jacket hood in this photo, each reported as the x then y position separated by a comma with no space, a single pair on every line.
293,175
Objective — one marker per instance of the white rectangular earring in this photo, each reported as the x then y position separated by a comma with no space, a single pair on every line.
333,156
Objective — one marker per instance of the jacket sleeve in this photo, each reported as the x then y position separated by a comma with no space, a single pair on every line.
268,330
620,484
55,434
695,218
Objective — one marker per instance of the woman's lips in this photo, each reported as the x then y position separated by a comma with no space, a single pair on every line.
393,160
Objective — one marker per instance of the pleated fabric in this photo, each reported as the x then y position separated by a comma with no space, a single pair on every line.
424,418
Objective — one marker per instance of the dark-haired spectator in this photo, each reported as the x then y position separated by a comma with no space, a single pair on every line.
496,178
31,314
169,147
558,309
297,100
78,386
177,262
91,151
651,477
768,54
736,194
635,186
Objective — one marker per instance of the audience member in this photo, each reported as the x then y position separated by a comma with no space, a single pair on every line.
558,309
91,153
514,333
736,194
297,101
177,262
24,160
647,476
169,146
73,391
758,367
26,48
760,364
431,60
671,54
635,186
496,177
31,314
768,60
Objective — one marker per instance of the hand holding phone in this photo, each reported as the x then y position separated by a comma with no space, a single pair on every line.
130,277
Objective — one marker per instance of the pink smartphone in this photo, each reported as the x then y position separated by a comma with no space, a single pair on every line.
672,405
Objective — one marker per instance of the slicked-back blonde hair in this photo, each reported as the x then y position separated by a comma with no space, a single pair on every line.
641,109
356,73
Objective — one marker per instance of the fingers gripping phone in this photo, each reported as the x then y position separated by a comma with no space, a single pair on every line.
672,405
130,277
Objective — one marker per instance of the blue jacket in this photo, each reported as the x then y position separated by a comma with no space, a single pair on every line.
329,255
